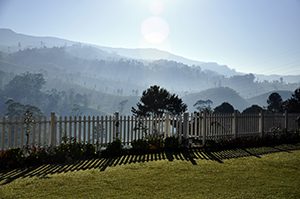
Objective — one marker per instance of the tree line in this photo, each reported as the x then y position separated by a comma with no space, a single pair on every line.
157,101
24,92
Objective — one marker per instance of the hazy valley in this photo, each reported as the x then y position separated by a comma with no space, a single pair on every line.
95,80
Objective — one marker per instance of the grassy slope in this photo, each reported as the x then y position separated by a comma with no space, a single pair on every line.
275,175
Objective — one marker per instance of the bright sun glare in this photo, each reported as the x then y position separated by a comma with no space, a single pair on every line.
155,29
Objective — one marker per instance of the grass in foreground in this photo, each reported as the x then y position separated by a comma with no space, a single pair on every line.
275,175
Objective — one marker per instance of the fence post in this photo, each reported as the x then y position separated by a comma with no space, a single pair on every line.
234,124
261,124
178,131
3,134
203,127
52,129
185,125
116,133
167,129
286,121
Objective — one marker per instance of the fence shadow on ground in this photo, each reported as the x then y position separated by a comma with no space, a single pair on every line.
190,155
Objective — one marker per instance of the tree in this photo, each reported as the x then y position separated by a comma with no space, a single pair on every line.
16,109
25,88
225,107
292,105
156,101
203,105
253,109
275,103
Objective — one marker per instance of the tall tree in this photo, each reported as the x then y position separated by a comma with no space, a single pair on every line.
16,109
253,109
275,103
225,107
203,105
25,88
156,101
292,105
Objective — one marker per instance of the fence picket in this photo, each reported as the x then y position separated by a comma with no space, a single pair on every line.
79,128
45,131
98,129
84,129
22,131
75,128
60,122
102,131
9,135
89,130
93,130
131,129
3,134
39,131
16,132
70,129
128,129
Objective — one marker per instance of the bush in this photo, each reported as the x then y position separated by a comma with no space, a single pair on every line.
113,149
89,151
171,143
140,146
155,142
270,139
35,156
11,159
68,151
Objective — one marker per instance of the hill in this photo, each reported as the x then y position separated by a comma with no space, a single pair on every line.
217,96
11,41
261,100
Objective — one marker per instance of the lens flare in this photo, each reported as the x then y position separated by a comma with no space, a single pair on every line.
156,7
155,30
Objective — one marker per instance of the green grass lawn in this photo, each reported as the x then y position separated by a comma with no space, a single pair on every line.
252,173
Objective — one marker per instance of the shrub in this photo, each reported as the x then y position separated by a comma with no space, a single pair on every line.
155,141
12,158
171,143
35,156
113,149
140,146
89,151
269,139
210,144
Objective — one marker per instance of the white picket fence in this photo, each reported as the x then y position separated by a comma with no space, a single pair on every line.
101,130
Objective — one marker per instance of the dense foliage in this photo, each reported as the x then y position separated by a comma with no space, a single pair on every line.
156,101
254,109
292,105
225,107
275,103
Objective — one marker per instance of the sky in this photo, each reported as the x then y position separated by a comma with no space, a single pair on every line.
251,36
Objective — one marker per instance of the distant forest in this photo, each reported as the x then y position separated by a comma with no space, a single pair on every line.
67,81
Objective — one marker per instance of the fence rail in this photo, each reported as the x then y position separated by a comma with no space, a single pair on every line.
101,130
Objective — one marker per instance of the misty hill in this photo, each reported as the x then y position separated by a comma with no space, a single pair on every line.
112,74
11,42
261,100
111,79
109,74
155,54
285,78
217,96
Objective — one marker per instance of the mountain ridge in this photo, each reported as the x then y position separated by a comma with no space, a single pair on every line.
10,40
